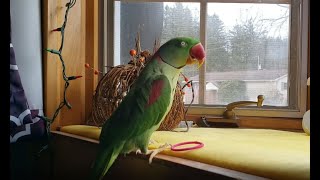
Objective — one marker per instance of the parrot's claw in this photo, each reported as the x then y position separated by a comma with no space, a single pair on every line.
138,151
156,151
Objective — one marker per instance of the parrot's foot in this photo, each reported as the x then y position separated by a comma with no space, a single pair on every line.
156,151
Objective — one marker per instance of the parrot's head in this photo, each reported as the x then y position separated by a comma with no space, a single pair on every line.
182,51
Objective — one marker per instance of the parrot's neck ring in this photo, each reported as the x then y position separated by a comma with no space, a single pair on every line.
158,55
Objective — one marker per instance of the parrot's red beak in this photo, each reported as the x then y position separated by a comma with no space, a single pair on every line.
197,54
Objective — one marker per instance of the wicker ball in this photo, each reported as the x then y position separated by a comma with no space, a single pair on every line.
114,86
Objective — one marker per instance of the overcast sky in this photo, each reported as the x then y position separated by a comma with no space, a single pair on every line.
232,13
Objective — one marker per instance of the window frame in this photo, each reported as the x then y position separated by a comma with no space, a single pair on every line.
297,65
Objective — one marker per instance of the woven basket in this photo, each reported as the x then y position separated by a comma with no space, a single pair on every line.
113,87
116,83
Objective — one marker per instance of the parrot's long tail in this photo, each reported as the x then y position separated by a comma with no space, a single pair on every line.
104,159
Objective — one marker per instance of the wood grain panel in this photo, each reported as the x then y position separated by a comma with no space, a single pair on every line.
74,56
51,64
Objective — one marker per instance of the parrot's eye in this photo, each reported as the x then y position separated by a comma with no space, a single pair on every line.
183,44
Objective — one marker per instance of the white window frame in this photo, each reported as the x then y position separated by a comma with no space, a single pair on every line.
297,65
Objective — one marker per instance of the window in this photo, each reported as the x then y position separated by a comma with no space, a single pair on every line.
253,47
284,86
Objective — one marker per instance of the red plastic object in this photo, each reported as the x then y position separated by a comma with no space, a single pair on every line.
198,145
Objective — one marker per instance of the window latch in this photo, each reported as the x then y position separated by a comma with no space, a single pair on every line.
230,114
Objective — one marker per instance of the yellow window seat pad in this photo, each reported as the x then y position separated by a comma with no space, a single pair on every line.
267,153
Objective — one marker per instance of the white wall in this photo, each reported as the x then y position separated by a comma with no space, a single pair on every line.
26,41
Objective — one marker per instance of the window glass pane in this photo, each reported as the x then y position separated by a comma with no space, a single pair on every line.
155,20
247,53
130,18
183,19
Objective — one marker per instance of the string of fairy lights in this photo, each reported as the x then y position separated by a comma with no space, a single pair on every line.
66,78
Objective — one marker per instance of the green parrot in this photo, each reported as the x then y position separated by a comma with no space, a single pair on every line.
147,103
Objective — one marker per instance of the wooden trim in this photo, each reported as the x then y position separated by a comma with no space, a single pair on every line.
304,52
271,123
267,111
308,92
290,124
203,39
92,48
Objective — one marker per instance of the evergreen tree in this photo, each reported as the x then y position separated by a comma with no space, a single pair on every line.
178,21
246,46
217,55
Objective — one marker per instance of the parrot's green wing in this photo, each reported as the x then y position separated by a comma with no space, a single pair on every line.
143,108
147,103
138,115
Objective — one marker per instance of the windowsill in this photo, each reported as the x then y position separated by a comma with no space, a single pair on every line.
250,152
176,161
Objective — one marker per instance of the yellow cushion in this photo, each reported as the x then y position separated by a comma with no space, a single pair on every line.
263,152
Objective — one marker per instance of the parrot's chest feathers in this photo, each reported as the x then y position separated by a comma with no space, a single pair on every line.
173,75
171,72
